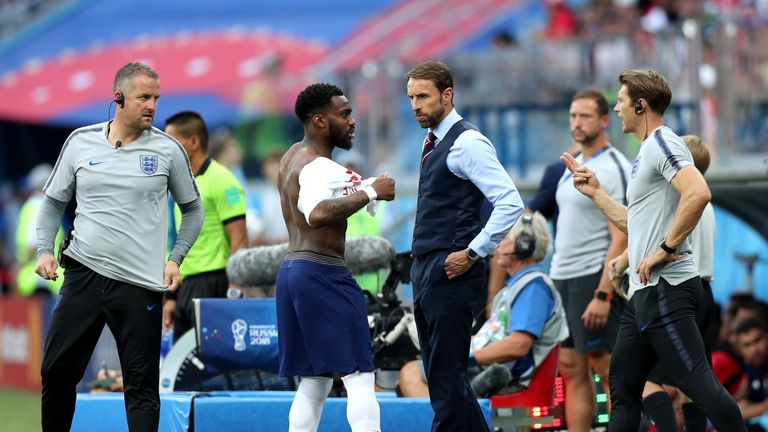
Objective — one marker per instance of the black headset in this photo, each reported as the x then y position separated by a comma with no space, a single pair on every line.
120,100
639,108
525,243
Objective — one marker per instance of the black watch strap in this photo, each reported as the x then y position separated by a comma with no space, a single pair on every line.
604,296
666,248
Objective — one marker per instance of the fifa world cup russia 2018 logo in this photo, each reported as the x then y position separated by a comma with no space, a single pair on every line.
239,327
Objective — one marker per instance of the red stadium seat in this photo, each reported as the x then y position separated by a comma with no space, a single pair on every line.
541,390
529,409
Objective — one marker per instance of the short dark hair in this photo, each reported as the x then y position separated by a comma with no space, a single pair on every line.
649,85
750,324
314,98
190,123
598,97
432,70
129,71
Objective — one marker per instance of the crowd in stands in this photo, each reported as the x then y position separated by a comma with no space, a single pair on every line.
14,14
590,42
740,358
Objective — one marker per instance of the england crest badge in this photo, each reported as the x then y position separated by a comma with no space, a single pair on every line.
148,164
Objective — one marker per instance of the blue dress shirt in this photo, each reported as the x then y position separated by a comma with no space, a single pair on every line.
474,158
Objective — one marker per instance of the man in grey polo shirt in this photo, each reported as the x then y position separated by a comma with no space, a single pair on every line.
115,269
585,243
666,197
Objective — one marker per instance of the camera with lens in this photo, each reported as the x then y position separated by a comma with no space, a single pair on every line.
393,331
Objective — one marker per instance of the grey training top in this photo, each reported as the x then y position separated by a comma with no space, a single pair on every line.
120,228
653,203
583,236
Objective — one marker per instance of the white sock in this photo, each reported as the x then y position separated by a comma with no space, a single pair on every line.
307,405
362,408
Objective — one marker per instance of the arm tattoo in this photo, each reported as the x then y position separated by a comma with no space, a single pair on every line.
339,209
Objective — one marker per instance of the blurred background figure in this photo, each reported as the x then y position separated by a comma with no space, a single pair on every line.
226,151
503,40
28,282
751,341
204,269
272,229
562,21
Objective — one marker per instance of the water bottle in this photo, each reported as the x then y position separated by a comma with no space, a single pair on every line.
503,317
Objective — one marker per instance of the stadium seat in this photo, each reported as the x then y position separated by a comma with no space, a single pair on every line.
539,392
517,411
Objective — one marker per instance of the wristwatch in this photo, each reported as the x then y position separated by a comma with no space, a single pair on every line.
666,248
472,255
604,296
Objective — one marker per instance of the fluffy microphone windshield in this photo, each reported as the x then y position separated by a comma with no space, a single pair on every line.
258,266
492,379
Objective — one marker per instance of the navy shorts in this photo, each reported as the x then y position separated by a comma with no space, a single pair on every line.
322,318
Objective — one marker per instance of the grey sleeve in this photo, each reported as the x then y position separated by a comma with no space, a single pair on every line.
191,223
181,182
48,223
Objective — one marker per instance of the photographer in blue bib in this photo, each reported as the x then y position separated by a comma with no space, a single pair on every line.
526,322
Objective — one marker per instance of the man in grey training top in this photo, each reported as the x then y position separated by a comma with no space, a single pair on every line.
666,196
585,243
115,271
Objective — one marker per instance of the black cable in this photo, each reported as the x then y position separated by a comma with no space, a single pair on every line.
646,125
109,111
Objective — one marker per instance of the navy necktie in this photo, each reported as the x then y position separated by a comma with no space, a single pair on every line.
429,145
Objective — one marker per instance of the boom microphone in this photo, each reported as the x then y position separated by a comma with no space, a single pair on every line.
368,254
492,379
258,266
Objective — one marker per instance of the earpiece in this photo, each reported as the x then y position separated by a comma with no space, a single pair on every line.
525,243
639,108
120,100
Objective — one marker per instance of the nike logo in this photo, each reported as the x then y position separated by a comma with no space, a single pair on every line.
150,306
92,163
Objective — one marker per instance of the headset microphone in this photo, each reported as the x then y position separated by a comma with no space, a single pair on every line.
120,101
639,108
525,243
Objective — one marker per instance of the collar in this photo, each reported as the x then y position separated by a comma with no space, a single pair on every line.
108,124
442,129
580,156
522,272
652,134
203,167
